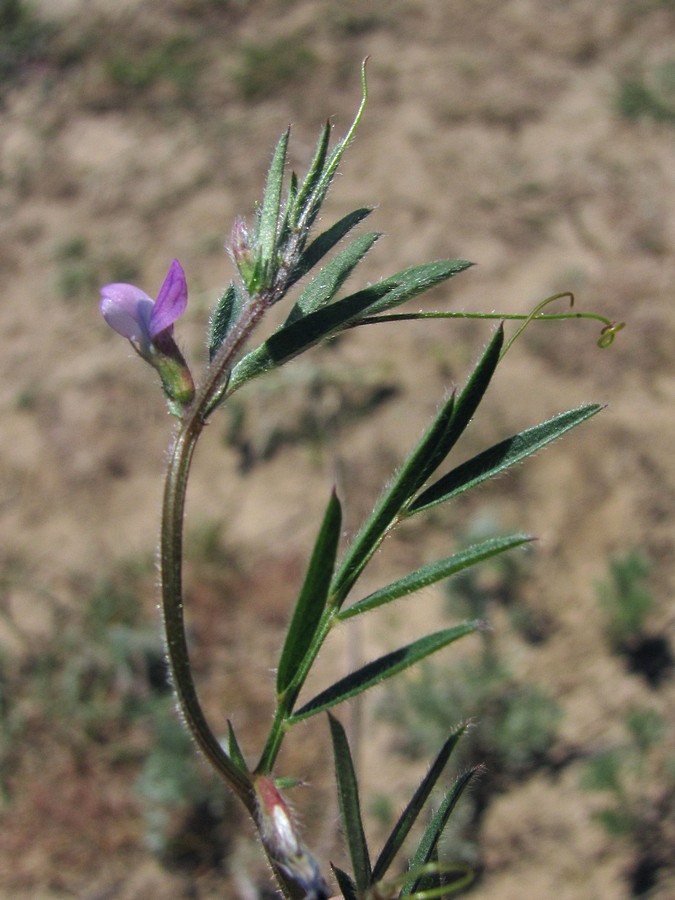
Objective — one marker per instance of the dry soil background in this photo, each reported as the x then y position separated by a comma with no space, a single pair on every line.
493,133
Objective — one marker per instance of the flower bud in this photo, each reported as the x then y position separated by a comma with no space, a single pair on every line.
242,252
280,838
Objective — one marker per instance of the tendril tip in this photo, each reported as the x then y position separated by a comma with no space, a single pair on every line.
608,334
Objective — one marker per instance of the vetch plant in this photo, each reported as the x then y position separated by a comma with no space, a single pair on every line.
272,255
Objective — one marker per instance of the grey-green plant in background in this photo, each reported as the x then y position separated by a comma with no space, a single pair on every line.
100,681
627,603
272,255
23,36
649,95
637,779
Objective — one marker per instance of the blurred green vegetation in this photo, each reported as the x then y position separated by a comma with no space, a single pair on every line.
637,778
629,605
23,39
98,683
267,69
174,63
81,272
625,597
651,95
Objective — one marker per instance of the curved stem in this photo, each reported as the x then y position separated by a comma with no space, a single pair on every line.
171,551
174,623
171,565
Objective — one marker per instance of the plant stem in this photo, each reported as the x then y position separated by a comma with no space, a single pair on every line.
516,317
286,701
171,552
171,565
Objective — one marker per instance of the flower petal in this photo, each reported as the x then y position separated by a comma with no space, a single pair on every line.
171,300
128,310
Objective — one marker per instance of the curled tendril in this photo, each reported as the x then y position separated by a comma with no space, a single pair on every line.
606,338
608,334
535,314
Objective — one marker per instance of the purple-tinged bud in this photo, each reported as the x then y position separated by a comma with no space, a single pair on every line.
148,325
280,837
242,252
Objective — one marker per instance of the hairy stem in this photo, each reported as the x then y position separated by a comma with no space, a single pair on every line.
171,552
171,563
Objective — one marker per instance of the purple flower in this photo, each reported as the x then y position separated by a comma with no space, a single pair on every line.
134,315
148,324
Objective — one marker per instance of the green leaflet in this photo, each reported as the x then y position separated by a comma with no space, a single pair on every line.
345,883
312,600
471,396
300,335
323,183
291,340
224,316
398,492
285,227
233,749
350,807
292,194
500,457
462,410
325,242
416,280
409,815
267,232
330,279
380,669
314,173
433,572
427,846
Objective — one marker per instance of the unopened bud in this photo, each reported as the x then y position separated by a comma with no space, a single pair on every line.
242,252
280,837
